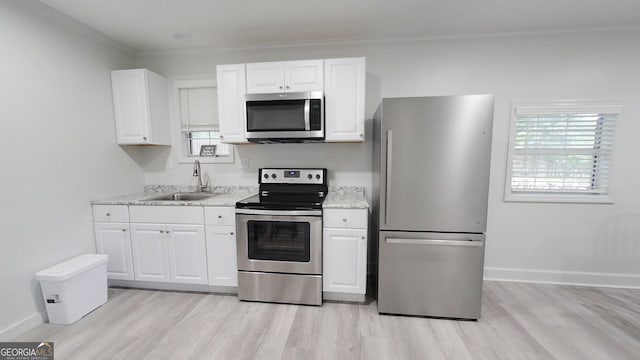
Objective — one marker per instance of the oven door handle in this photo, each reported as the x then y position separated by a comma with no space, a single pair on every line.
279,212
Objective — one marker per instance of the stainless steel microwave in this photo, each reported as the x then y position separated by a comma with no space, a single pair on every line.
285,117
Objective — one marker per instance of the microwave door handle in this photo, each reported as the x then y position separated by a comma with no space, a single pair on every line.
306,114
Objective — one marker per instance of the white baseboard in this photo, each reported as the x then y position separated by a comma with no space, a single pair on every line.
577,278
152,285
22,326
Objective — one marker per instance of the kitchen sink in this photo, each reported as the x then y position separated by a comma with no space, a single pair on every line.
180,197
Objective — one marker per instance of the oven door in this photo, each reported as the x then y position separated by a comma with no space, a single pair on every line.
279,241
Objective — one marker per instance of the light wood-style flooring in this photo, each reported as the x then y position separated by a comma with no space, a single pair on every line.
519,321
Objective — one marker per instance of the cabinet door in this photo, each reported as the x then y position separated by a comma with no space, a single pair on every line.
265,78
131,106
231,110
303,75
113,239
344,260
187,254
344,93
150,252
221,256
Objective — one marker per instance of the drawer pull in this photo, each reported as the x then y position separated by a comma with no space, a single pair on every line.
123,230
344,220
161,231
219,216
108,214
231,233
168,231
361,237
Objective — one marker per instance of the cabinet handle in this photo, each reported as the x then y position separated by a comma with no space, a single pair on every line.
280,87
361,237
168,231
344,220
221,136
361,135
231,233
144,138
287,87
161,231
123,230
219,216
108,214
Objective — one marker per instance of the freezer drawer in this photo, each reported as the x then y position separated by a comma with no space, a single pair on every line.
430,274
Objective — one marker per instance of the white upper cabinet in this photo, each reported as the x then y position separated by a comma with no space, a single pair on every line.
285,76
265,78
141,107
344,94
305,75
231,110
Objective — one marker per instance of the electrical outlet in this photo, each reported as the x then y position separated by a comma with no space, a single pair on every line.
244,162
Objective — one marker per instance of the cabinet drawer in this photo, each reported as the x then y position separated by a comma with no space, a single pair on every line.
346,218
167,214
220,215
111,213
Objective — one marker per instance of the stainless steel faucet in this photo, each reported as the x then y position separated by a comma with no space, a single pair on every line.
197,172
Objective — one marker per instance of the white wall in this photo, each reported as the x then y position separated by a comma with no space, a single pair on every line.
57,149
579,243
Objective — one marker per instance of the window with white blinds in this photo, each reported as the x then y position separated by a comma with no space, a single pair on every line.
199,127
561,152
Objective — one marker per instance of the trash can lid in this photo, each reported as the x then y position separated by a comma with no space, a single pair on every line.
71,268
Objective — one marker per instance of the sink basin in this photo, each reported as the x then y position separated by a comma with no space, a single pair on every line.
180,197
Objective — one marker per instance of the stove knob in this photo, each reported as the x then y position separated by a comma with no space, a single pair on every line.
273,176
310,176
318,176
266,176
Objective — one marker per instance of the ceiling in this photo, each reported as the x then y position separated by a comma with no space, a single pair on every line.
164,25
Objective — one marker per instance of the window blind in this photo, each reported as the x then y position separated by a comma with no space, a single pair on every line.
567,152
199,109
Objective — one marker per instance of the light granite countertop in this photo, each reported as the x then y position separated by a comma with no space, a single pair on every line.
342,197
220,196
345,197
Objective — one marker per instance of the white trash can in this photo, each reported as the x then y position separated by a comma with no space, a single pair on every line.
74,288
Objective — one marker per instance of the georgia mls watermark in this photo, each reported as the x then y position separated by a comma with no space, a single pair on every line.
26,351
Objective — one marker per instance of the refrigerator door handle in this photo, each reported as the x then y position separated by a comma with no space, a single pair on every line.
388,176
434,242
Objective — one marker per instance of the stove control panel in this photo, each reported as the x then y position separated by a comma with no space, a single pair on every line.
293,176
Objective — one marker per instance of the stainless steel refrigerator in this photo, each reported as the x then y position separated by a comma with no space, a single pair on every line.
430,187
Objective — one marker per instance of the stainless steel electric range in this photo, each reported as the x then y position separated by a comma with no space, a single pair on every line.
279,234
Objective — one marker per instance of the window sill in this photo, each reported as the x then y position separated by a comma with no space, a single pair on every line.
207,160
553,198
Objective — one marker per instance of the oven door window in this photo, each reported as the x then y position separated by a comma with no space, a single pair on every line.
279,240
281,115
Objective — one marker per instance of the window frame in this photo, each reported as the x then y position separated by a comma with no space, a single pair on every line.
182,136
556,107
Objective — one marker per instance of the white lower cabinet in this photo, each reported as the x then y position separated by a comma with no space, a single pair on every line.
345,260
221,256
150,252
169,253
345,252
222,262
113,239
187,254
